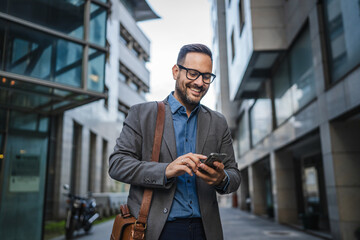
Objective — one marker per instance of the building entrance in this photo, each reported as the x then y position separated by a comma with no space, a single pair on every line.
313,205
22,182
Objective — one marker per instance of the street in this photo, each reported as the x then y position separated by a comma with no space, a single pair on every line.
236,225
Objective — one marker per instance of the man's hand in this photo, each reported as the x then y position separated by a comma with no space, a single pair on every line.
187,163
210,175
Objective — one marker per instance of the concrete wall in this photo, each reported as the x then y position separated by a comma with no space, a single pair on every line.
341,156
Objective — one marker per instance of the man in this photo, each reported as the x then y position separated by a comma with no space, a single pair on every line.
184,204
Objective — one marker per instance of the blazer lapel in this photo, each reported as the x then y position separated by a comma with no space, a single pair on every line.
203,126
169,132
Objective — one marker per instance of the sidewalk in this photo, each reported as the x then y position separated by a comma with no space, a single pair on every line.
240,225
237,225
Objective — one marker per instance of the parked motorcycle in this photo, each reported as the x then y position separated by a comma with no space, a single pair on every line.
81,213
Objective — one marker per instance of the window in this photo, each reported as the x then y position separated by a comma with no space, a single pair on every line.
122,77
123,39
293,81
92,162
123,110
96,70
133,86
243,135
261,117
104,165
136,52
232,46
241,16
75,172
97,33
342,19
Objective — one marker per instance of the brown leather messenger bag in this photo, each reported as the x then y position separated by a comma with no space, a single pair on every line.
126,226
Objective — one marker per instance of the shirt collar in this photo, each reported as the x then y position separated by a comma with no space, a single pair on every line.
175,105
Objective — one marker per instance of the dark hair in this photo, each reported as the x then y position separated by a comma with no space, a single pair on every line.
197,47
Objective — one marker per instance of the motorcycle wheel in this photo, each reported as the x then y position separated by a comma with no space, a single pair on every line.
70,225
87,227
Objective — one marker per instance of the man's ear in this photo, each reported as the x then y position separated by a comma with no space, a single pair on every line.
175,71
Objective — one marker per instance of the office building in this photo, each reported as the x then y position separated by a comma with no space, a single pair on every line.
59,112
294,82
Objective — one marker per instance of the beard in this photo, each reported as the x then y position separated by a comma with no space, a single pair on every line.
185,98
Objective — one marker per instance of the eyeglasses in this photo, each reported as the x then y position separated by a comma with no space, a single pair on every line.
193,74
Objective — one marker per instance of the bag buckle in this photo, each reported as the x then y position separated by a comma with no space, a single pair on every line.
141,229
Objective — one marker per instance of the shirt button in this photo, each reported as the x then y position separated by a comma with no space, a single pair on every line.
188,180
186,140
165,210
190,202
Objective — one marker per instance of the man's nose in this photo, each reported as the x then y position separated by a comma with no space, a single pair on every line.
199,81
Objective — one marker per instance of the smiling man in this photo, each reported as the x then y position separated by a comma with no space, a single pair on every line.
184,204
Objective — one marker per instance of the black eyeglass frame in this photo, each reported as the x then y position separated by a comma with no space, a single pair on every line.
213,76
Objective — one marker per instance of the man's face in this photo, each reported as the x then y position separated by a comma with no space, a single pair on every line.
190,92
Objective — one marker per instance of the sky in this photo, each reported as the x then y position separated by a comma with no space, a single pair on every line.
182,22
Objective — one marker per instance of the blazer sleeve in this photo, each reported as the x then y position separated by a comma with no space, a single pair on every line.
230,164
127,163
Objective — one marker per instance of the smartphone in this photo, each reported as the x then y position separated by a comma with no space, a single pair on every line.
219,157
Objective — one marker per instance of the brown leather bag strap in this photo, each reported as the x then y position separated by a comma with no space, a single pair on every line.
145,205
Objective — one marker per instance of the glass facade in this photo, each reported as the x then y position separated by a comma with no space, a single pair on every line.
44,48
63,16
51,47
260,117
293,81
342,19
23,183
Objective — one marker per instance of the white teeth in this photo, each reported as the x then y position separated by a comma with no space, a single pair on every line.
195,90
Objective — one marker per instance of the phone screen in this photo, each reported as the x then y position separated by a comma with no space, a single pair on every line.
219,157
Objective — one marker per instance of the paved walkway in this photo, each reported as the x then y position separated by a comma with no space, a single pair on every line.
240,225
237,225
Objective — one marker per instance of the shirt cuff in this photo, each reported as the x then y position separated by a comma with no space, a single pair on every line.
222,187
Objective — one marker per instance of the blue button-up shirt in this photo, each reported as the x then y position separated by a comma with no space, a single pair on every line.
186,203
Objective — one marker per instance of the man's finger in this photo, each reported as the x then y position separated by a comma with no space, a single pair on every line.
219,165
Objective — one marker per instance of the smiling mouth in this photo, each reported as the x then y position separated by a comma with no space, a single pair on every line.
197,90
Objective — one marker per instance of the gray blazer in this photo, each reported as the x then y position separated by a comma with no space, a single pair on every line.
130,163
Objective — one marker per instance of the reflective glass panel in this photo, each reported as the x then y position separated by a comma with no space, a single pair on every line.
282,93
302,76
97,25
23,121
293,81
243,136
68,63
260,116
342,20
96,70
63,16
35,54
